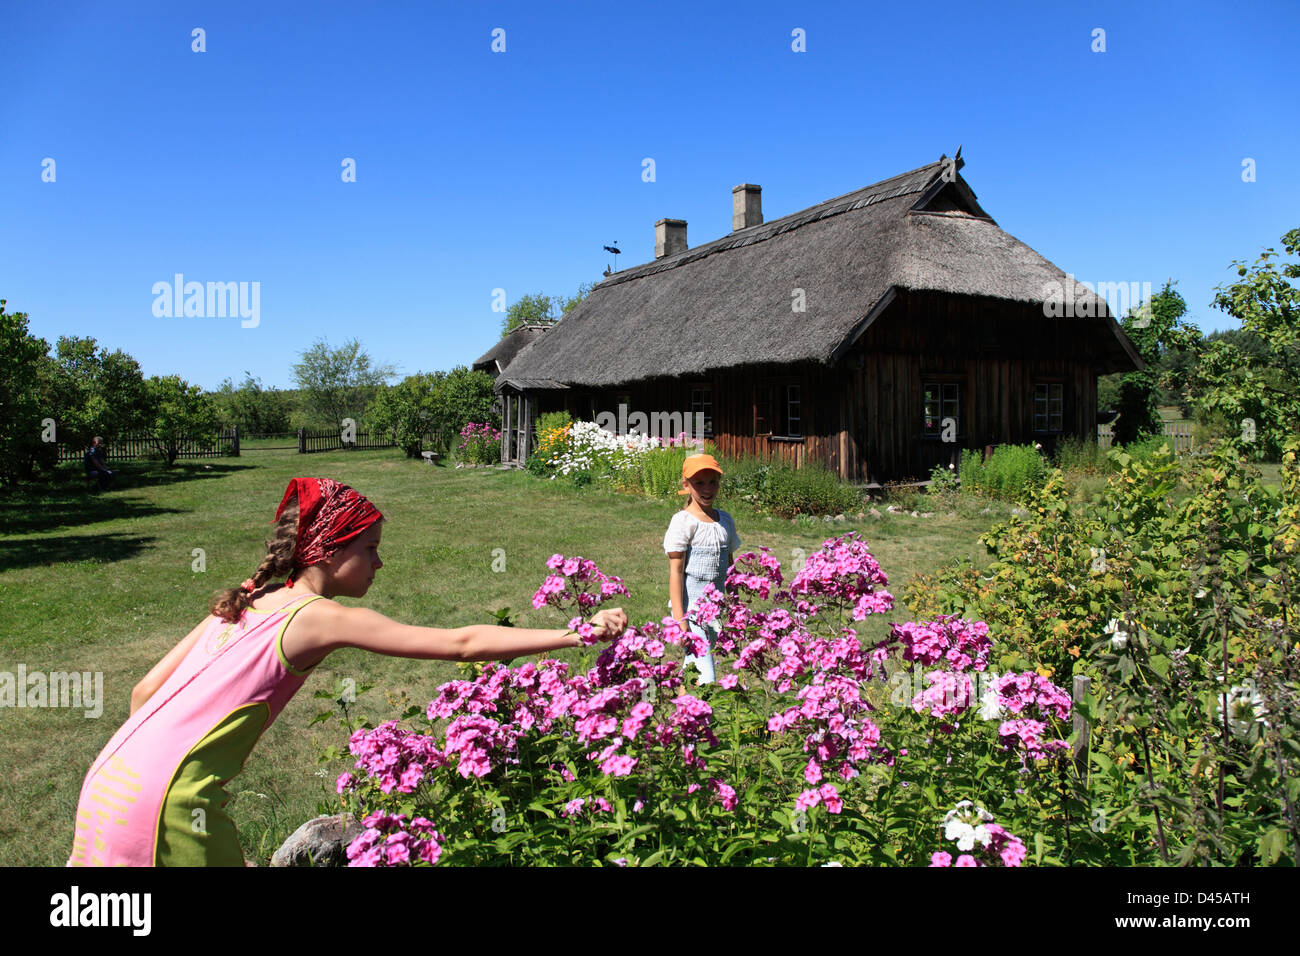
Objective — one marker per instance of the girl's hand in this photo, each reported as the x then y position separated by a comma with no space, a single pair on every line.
609,623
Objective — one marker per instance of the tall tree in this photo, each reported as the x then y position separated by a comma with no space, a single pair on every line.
338,383
22,407
1258,400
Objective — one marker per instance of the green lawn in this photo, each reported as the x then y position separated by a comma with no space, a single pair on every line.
106,583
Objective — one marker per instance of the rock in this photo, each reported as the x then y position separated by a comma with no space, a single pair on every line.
862,514
827,519
769,518
460,464
322,841
986,511
840,518
914,514
927,514
892,509
874,513
1020,512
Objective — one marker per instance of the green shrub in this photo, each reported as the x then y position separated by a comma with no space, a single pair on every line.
1080,455
660,471
1012,472
812,489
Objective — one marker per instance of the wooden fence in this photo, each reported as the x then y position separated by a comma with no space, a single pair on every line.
331,439
224,444
1178,433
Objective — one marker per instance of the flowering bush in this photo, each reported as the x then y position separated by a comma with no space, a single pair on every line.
480,444
1173,596
796,755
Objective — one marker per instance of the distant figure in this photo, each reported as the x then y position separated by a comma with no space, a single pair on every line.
97,463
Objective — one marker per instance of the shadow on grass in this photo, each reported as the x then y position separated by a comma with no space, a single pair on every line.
99,548
69,499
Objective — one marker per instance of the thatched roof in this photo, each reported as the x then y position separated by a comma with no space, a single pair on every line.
495,359
728,302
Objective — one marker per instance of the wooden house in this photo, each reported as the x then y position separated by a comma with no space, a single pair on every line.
879,332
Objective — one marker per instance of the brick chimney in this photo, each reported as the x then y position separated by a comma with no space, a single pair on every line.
746,206
670,237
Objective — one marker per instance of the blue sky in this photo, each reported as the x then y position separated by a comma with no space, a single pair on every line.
479,170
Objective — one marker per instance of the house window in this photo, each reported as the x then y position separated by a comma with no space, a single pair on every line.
778,411
702,403
942,400
1049,405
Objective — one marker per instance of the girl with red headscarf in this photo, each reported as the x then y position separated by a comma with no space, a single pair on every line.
154,796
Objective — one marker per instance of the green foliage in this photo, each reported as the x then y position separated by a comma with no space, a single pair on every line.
549,421
1012,472
945,487
256,410
1154,328
540,309
180,411
1080,455
433,408
1255,397
335,384
1173,588
22,358
812,489
405,411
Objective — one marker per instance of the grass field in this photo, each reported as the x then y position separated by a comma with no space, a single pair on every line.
106,582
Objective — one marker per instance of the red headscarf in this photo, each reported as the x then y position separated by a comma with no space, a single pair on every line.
330,515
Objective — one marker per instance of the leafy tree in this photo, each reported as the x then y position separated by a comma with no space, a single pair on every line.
22,356
1155,329
338,383
96,392
434,406
179,411
1259,400
405,411
256,410
540,309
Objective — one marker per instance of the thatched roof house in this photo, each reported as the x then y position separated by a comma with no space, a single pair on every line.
878,331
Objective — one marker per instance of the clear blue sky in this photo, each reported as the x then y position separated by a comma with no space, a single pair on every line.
479,170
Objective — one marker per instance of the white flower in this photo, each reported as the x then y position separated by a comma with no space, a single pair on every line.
1119,638
990,709
957,826
833,863
1245,706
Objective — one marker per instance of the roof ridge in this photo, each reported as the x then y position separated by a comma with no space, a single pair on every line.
857,199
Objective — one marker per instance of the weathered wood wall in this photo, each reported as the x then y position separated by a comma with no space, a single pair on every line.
863,416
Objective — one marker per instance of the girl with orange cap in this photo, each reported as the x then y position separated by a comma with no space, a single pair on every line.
700,542
153,796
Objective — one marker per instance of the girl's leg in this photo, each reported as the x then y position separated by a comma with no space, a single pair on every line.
703,664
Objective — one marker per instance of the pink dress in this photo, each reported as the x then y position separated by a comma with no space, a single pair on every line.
154,795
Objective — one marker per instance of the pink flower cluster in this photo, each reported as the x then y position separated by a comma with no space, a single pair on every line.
1016,693
576,581
398,759
825,794
845,572
391,841
949,694
965,645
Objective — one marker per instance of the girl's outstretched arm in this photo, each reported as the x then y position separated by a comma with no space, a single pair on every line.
333,626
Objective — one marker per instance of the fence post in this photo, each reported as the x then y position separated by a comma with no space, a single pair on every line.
1080,749
302,442
236,455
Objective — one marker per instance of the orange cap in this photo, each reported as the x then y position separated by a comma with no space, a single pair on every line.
695,464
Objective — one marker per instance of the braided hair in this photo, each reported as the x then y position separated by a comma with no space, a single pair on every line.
230,604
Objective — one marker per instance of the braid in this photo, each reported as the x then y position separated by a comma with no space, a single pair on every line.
230,604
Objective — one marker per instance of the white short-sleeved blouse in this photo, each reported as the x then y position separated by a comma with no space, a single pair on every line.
706,543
